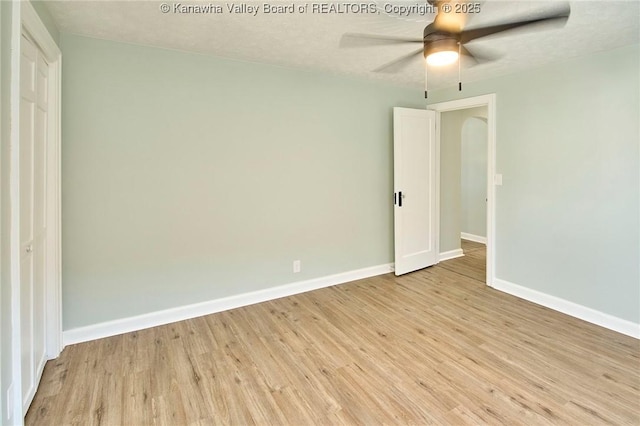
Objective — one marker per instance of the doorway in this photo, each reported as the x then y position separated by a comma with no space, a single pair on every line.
450,119
473,178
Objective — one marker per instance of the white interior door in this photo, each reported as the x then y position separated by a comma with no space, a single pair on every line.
414,161
33,230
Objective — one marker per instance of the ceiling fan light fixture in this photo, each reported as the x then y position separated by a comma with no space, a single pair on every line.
444,57
442,52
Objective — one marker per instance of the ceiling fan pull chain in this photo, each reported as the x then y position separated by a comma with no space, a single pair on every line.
459,66
425,80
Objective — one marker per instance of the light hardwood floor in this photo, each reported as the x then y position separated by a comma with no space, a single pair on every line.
432,347
474,262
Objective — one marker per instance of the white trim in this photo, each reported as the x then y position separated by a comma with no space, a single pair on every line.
570,308
31,23
437,201
54,216
14,201
489,101
153,319
474,238
451,254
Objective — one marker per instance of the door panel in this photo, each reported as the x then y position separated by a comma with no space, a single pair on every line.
26,326
414,182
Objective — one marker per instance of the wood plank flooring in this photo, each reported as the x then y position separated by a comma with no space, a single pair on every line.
473,264
432,347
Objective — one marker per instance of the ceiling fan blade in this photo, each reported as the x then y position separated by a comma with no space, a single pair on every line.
465,52
399,63
363,40
478,58
558,17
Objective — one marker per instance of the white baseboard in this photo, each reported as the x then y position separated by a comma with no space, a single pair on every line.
471,237
570,308
451,254
180,313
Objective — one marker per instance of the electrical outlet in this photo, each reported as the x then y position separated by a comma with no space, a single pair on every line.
297,266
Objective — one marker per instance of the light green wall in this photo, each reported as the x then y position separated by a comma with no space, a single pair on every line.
473,177
567,215
450,175
190,178
187,178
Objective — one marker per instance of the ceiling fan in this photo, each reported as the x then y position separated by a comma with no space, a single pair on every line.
444,39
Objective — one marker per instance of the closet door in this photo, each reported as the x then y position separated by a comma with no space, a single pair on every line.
33,232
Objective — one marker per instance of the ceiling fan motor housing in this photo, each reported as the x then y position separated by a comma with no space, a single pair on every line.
439,42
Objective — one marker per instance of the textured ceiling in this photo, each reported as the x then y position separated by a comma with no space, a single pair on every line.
312,40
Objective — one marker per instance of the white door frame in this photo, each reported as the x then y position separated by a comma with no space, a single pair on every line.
477,101
25,19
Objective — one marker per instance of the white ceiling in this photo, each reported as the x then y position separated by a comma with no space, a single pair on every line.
312,41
